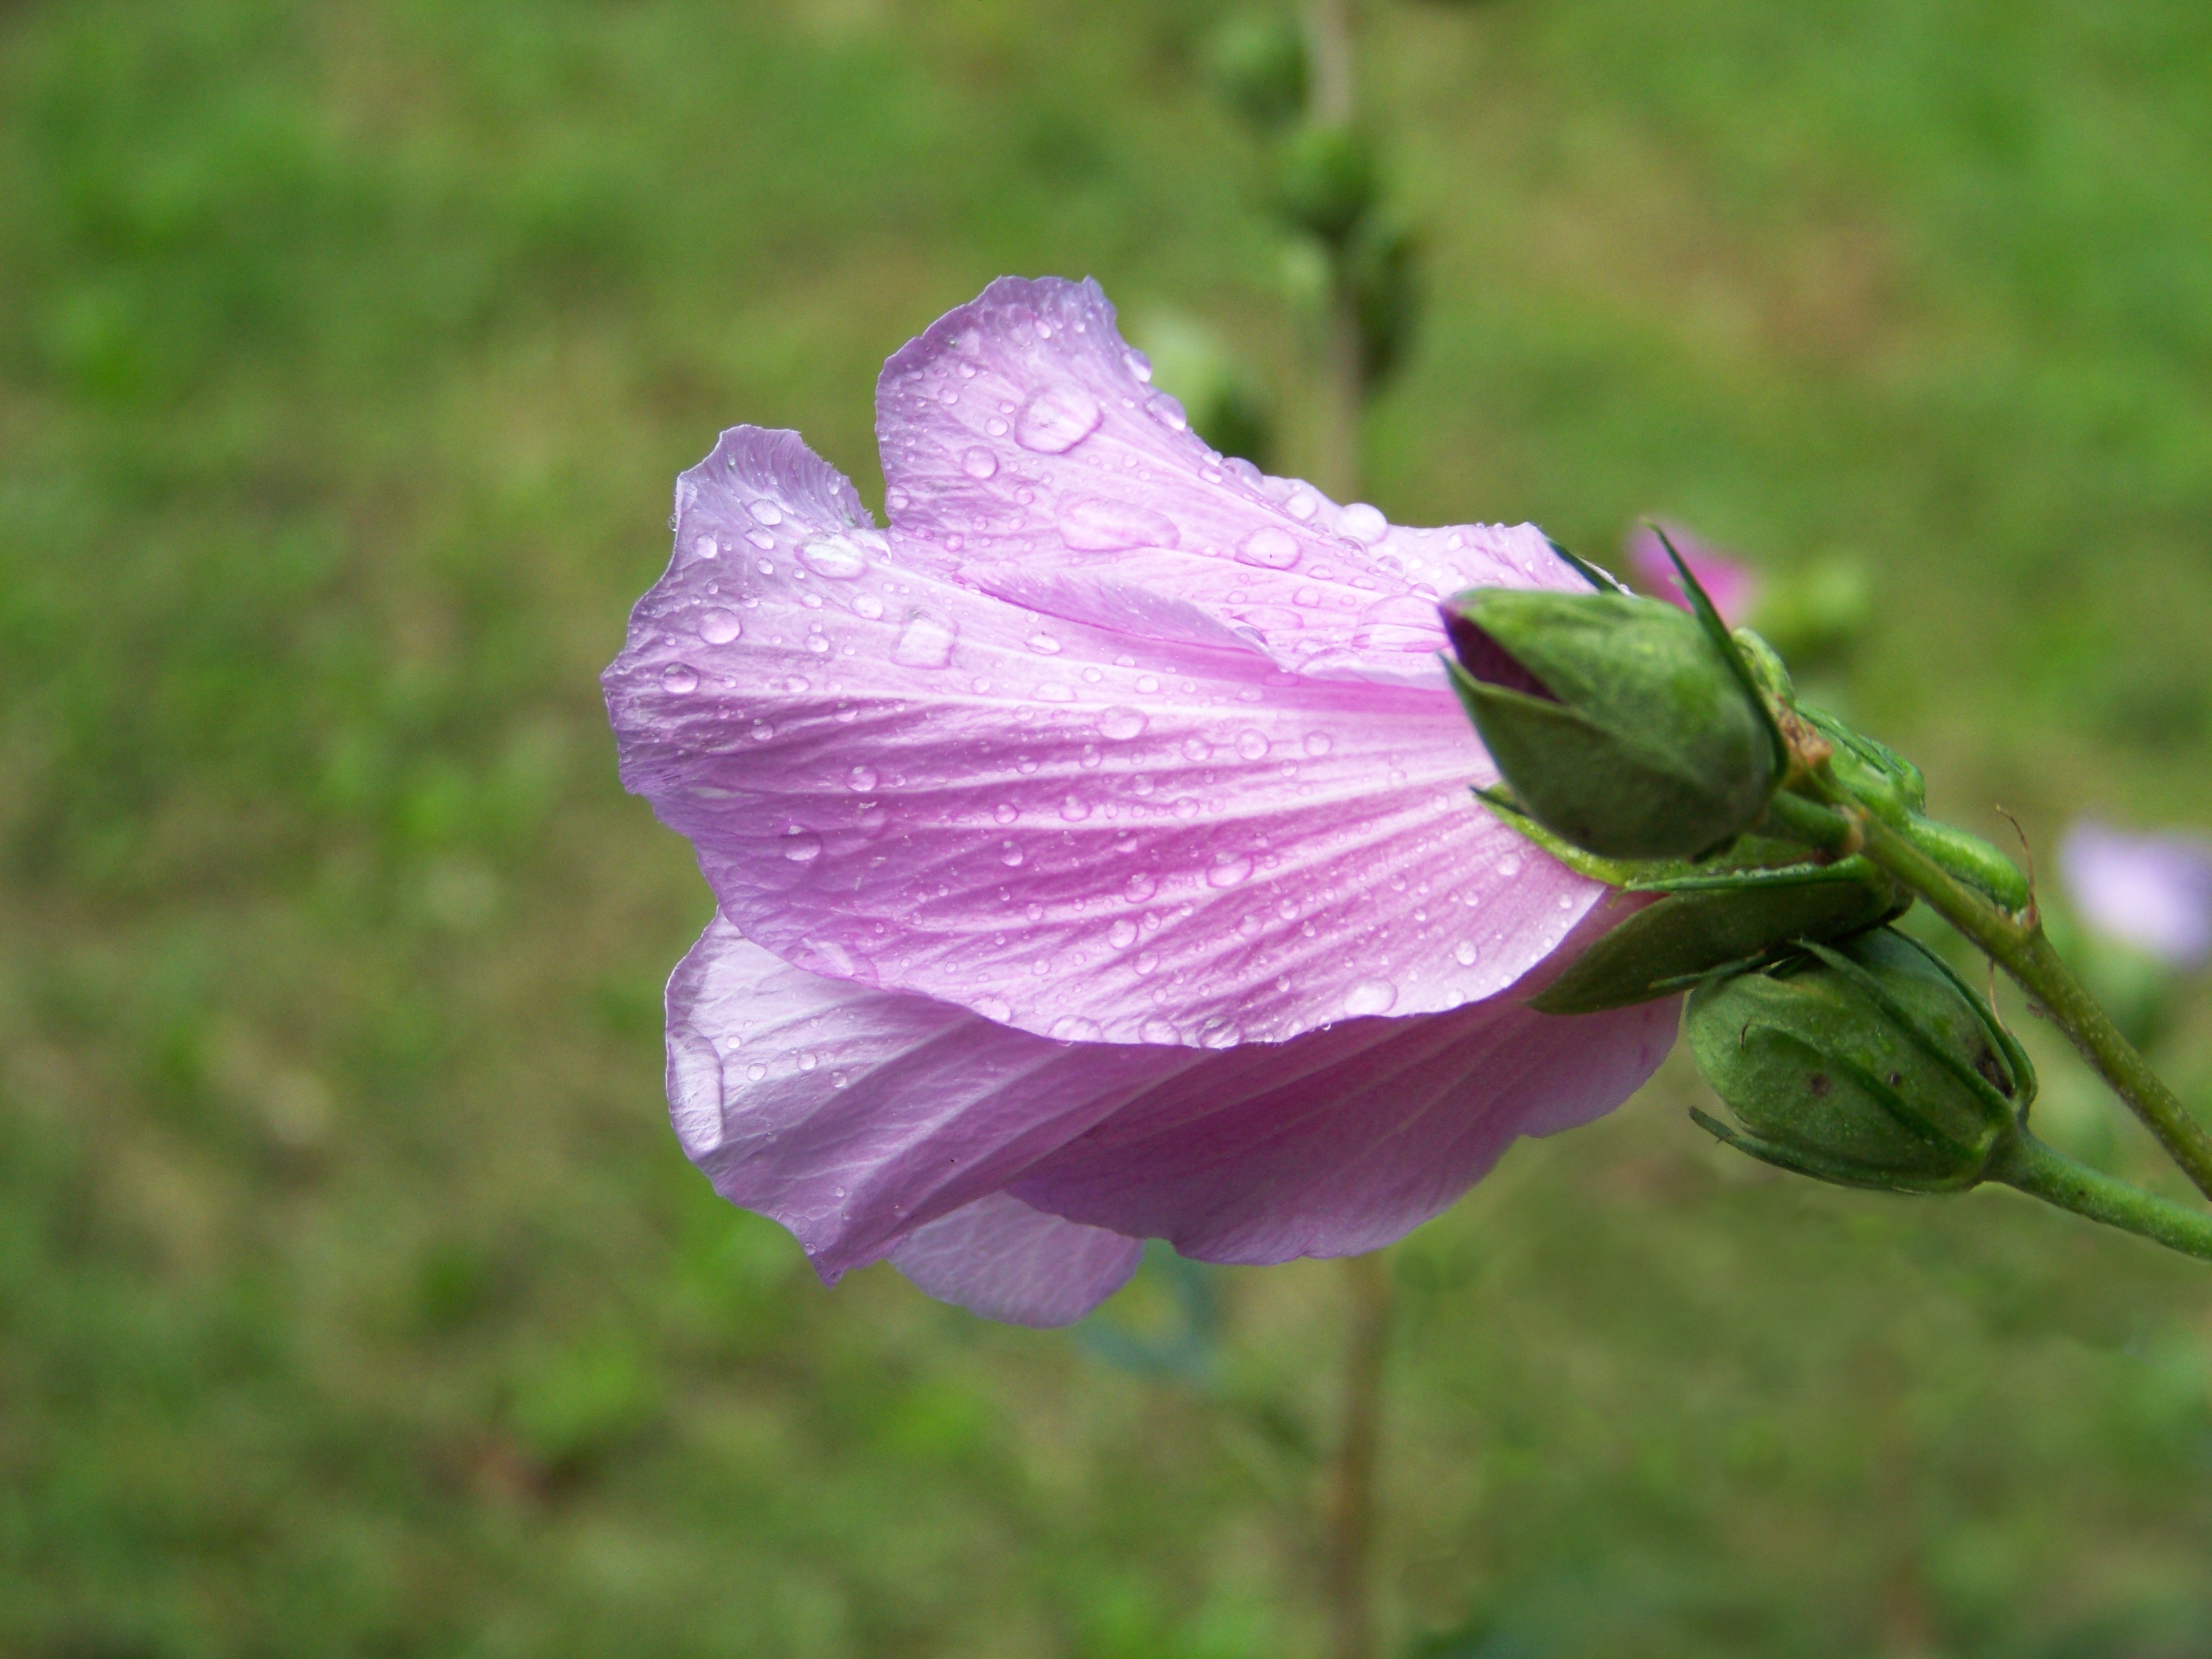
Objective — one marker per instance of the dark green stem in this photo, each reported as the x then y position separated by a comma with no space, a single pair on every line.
2015,942
2034,1168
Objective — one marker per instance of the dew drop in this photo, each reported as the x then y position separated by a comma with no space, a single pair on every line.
1465,953
1123,934
1005,812
1045,643
924,642
1140,365
719,627
980,463
1253,745
801,846
1364,524
1056,420
1302,507
994,1008
861,780
1157,1029
1318,744
1228,869
680,678
1146,961
1091,524
868,605
756,1071
763,731
1010,855
1510,866
835,557
1270,549
1371,996
1119,724
767,513
1139,887
996,427
1073,1028
707,548
1075,809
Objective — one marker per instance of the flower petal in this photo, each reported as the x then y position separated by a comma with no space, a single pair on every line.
2153,892
1345,1139
999,1258
1731,585
854,1115
1021,439
1089,834
868,1121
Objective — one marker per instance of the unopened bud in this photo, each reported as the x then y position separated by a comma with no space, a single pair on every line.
1867,1064
1325,179
1620,723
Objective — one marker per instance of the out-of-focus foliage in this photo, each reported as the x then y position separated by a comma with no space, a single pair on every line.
355,1297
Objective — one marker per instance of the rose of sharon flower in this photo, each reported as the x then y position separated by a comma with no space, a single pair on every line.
1093,848
2153,892
1732,585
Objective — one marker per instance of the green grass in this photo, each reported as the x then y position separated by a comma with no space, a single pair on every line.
354,1298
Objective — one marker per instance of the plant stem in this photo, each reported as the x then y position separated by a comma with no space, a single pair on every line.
1349,1523
2034,1168
2016,944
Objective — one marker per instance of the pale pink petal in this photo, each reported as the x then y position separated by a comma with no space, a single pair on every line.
1732,585
1346,1138
2153,892
856,1116
1021,440
999,1258
1152,836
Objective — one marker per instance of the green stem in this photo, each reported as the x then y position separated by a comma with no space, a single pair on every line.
2015,942
2034,1168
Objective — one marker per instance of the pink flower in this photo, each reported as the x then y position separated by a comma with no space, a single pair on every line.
2153,892
1093,849
1731,585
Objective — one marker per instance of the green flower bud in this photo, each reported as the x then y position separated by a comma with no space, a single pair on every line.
1867,1064
1325,179
1622,725
1259,63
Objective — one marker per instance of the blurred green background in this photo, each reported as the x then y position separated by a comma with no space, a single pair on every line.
354,1298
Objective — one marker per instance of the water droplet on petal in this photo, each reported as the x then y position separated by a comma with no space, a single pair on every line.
980,463
1139,887
1253,745
926,642
1010,855
1465,953
835,557
1371,996
1318,744
1076,1029
1140,365
1168,412
767,513
1043,642
1159,1031
861,780
994,1008
868,605
756,1071
1510,866
719,627
801,846
680,678
1057,419
1123,934
1364,524
707,548
1302,507
1121,724
1075,809
1091,524
1269,548
1005,812
1228,869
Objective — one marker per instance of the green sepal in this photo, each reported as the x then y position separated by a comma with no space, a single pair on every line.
1707,924
1709,618
1595,574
